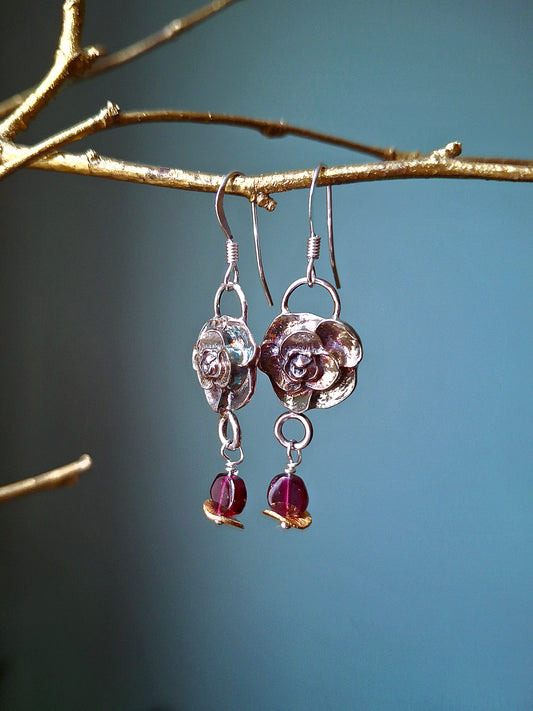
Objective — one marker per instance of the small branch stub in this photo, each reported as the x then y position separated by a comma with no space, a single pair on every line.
72,62
450,151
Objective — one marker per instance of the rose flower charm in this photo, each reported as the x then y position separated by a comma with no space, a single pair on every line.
311,361
225,360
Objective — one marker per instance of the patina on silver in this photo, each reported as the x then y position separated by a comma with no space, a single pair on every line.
225,355
311,361
225,360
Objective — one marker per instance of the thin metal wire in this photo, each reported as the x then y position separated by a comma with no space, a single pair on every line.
318,282
313,252
219,204
313,247
313,242
231,277
232,248
332,261
231,286
258,256
291,465
233,463
232,252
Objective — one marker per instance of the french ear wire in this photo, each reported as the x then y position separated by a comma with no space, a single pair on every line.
258,256
313,241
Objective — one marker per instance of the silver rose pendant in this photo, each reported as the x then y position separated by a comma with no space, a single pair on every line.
225,357
311,361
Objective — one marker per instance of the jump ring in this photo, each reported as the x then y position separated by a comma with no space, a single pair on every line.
228,417
293,444
319,282
232,286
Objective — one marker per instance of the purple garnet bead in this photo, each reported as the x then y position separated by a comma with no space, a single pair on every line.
287,495
228,493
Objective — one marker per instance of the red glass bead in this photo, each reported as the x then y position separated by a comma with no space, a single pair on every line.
228,492
287,495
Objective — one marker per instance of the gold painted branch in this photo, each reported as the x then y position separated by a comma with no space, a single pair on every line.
258,188
70,60
103,62
72,63
23,156
165,34
62,476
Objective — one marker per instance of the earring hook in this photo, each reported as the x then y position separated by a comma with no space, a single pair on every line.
219,204
258,255
313,245
232,248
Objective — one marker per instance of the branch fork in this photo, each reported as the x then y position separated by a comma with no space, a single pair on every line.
73,62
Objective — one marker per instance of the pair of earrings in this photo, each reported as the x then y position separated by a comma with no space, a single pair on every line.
311,362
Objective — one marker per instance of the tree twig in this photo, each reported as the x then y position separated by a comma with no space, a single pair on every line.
165,34
10,104
103,119
62,476
70,59
442,163
270,129
103,62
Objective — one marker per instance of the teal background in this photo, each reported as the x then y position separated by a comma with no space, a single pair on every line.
413,587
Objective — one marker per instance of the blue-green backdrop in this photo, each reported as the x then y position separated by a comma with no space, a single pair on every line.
413,587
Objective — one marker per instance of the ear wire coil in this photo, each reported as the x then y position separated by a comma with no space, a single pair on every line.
313,247
232,252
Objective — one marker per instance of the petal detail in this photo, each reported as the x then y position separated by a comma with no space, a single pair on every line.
300,342
335,395
224,378
330,373
296,403
214,396
339,338
209,339
239,397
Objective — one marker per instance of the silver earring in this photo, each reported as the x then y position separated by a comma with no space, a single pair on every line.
225,359
312,363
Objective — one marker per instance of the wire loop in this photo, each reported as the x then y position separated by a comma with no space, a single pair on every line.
227,417
292,444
